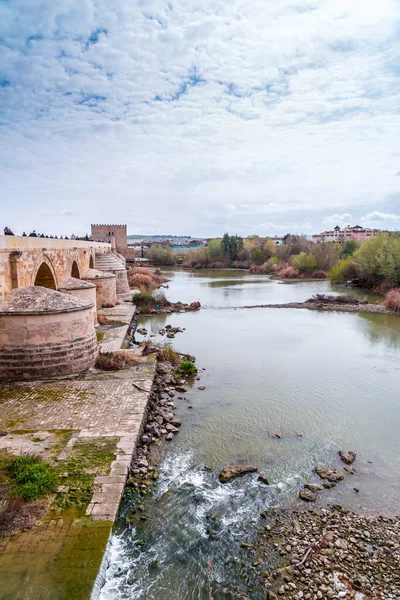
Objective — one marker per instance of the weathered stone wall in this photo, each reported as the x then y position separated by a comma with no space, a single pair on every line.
21,257
106,290
46,345
85,294
104,233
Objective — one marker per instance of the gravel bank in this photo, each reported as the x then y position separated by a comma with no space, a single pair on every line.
329,553
349,308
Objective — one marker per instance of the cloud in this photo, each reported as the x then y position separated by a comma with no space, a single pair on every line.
377,216
337,218
214,115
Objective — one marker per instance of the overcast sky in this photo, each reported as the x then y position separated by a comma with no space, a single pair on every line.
199,116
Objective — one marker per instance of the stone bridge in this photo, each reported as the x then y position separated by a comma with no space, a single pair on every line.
26,261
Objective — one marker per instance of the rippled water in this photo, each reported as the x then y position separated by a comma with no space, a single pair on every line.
332,377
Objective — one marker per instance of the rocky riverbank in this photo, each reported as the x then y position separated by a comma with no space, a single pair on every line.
329,553
161,422
170,308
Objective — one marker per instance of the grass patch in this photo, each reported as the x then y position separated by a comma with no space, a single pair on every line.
31,478
87,460
188,368
168,354
100,336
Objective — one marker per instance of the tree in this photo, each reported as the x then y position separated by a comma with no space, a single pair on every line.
326,255
305,263
348,249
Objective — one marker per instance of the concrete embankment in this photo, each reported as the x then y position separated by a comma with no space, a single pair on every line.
87,427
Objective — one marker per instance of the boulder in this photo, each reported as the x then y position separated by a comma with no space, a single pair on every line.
263,479
333,475
231,471
307,496
313,487
347,457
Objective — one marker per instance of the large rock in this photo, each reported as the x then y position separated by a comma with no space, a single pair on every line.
347,457
307,496
330,474
313,487
230,472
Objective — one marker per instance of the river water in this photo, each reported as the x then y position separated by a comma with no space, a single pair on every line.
332,377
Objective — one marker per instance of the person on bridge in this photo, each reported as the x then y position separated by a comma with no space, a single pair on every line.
7,231
33,234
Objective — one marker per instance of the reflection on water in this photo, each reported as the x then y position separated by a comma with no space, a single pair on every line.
382,330
332,377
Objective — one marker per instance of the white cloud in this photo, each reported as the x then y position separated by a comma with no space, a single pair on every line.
377,216
337,218
206,112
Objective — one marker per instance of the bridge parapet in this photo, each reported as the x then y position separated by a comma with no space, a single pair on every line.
26,261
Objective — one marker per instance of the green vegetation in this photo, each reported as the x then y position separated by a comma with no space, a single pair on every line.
77,473
168,354
375,264
188,367
31,478
142,297
231,246
161,256
146,300
349,248
304,263
343,271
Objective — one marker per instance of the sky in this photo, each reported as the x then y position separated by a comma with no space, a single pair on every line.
198,117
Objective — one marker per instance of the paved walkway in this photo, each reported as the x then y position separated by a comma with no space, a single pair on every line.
115,337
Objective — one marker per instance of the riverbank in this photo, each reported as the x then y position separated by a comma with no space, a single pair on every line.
328,553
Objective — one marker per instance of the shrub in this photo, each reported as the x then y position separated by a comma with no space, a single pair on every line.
141,281
161,256
160,298
326,255
9,513
304,263
144,279
142,298
288,272
168,354
114,361
392,300
189,367
319,274
32,477
345,270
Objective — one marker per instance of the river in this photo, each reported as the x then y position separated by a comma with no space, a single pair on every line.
334,378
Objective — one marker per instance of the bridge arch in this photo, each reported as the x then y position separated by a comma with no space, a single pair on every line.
44,277
44,273
75,270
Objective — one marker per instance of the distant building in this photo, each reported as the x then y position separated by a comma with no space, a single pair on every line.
357,232
116,235
278,241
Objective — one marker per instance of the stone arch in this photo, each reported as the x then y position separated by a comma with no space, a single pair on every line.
51,278
44,277
91,262
75,270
